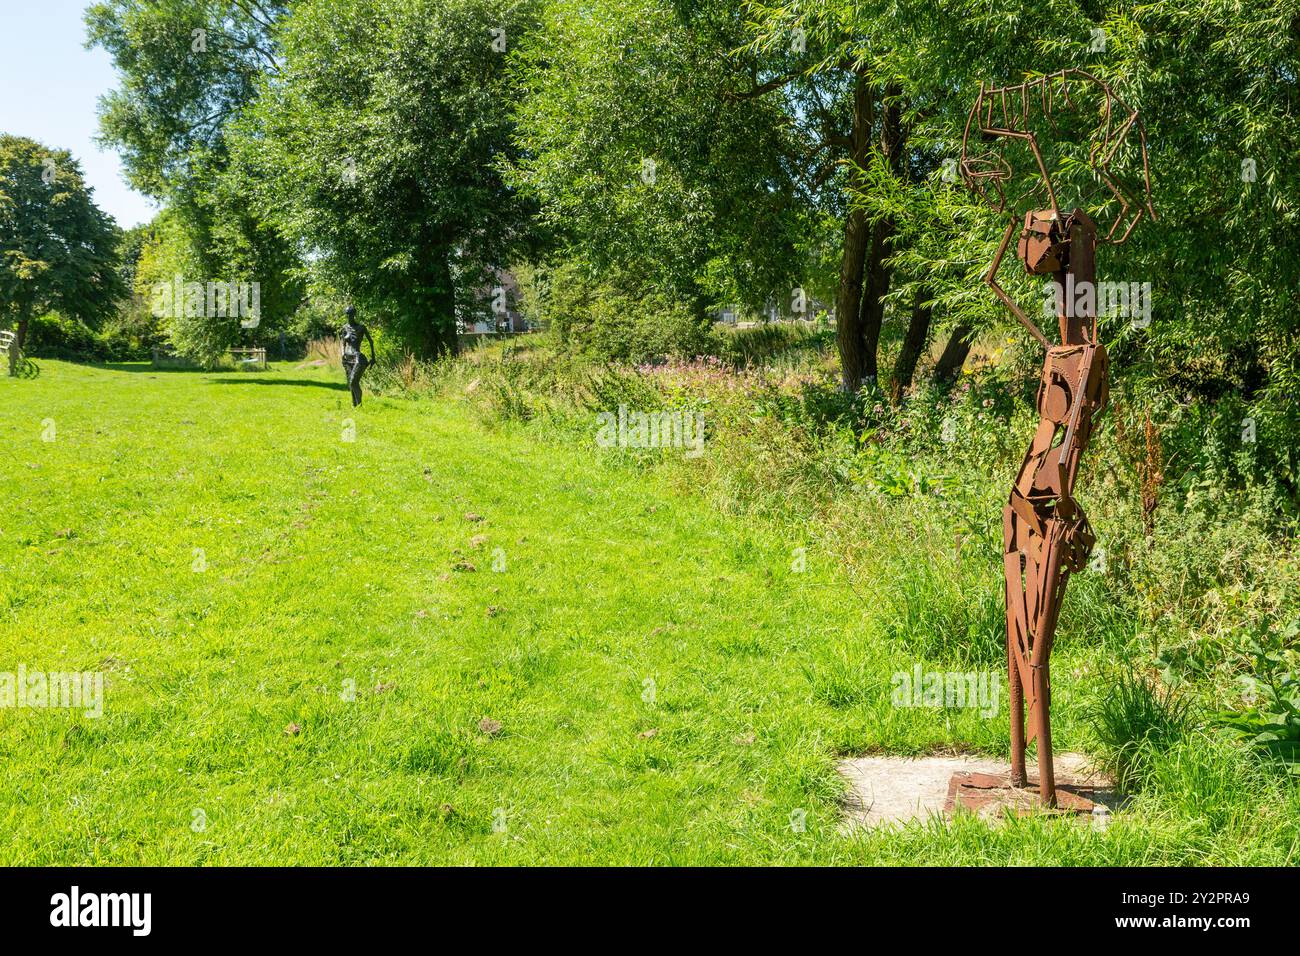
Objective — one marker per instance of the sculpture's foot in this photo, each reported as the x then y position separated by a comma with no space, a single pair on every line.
994,795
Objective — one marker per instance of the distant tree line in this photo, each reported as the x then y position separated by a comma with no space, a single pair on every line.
647,162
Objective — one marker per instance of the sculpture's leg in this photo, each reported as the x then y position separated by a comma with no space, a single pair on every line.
1053,581
1046,772
1015,690
1016,696
354,378
1032,603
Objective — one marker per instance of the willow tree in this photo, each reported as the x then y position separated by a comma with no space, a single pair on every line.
378,148
187,71
649,168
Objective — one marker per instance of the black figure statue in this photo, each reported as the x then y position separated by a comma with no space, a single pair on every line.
354,361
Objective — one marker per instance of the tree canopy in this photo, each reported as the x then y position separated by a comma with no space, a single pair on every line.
58,250
188,70
378,149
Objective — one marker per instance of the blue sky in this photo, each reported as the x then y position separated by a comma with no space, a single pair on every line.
49,85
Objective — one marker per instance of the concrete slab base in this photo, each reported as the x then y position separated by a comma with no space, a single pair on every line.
886,790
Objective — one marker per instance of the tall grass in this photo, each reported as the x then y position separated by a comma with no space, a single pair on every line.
327,350
911,517
1135,720
936,610
777,344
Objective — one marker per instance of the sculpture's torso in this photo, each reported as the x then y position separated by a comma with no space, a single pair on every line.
351,335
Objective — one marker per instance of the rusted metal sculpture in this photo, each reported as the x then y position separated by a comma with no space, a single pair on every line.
1046,535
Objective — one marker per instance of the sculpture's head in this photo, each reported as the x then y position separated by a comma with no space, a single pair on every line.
350,312
1059,141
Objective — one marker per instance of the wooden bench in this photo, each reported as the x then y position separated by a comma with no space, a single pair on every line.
245,357
9,350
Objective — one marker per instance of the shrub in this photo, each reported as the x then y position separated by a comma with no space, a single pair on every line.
53,336
619,318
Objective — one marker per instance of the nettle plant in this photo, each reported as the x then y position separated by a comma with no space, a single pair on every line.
1270,722
886,471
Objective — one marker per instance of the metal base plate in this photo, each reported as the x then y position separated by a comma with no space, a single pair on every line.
992,795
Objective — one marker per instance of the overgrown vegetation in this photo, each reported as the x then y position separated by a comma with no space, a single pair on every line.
1135,722
1188,613
654,162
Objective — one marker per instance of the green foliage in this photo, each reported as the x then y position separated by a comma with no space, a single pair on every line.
55,336
187,67
378,145
189,70
1216,86
318,317
1219,87
58,250
645,161
699,155
882,470
776,344
619,319
1270,722
169,252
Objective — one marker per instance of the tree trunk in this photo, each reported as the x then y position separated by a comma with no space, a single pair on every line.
848,297
954,354
873,302
878,273
435,335
848,323
20,334
444,340
918,333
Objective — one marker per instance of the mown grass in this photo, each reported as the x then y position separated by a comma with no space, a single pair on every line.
310,658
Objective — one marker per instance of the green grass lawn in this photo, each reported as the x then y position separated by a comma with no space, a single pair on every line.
314,654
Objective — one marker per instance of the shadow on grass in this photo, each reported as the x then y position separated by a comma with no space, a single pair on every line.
144,367
313,383
26,368
220,376
179,368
